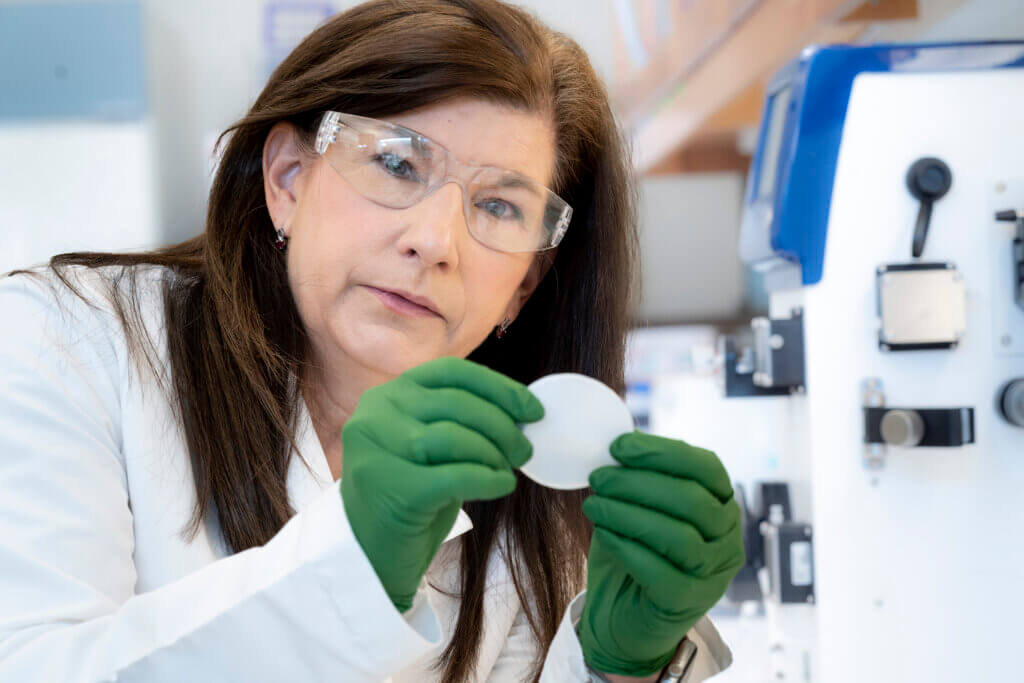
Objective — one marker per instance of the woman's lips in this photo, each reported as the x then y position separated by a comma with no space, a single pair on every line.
400,304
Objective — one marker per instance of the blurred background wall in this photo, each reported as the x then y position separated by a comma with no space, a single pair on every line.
204,63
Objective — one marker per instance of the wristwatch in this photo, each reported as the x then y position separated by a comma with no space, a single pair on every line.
681,663
674,672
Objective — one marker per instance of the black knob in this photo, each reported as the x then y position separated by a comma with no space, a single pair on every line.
928,180
1011,402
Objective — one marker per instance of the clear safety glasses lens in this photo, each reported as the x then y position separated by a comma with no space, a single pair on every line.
397,167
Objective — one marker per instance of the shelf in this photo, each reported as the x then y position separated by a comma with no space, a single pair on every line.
691,75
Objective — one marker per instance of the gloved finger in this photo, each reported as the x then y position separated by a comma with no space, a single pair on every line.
683,499
511,396
670,589
469,410
676,541
447,442
735,557
382,424
435,486
670,456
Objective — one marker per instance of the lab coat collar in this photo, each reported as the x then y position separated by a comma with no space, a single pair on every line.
305,483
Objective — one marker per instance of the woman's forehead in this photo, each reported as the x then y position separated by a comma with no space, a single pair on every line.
488,134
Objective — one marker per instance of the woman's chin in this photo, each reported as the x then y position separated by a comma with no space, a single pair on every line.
388,350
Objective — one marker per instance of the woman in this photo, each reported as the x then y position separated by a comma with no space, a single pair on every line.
174,423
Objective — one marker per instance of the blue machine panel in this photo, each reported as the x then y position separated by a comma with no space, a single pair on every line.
71,60
789,189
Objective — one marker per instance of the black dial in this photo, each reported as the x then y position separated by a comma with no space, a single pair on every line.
1011,402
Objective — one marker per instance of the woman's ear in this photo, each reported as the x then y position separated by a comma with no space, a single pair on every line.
282,161
539,267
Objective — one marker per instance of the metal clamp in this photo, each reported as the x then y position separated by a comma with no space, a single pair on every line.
873,396
910,427
779,352
1016,216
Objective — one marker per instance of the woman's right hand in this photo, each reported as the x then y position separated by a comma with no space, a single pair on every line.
419,445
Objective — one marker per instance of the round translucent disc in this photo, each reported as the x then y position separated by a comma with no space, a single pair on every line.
582,417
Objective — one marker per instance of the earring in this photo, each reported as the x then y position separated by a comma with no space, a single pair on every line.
503,327
281,240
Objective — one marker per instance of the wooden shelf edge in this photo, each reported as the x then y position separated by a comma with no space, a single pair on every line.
771,36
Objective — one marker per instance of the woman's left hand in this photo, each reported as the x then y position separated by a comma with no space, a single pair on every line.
667,541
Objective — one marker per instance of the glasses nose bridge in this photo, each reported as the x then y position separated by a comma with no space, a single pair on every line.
455,171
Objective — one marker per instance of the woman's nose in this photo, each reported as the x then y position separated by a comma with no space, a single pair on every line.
436,226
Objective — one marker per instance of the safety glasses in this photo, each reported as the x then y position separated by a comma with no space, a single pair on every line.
397,167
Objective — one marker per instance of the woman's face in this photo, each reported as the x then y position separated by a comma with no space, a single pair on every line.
353,265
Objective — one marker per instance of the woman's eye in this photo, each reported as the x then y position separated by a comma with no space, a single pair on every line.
499,208
396,166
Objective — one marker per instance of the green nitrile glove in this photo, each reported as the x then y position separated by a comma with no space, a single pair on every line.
667,541
419,445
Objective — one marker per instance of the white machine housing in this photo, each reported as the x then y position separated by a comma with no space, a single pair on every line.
919,562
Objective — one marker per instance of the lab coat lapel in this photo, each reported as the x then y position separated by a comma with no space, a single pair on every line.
308,473
442,586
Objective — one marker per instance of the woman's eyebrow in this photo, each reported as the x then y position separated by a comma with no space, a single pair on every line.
510,178
514,179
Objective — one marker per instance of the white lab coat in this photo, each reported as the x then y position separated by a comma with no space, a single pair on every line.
96,583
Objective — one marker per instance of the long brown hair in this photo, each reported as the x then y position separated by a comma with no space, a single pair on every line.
234,330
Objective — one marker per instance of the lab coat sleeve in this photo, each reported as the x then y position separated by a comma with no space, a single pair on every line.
305,606
564,661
